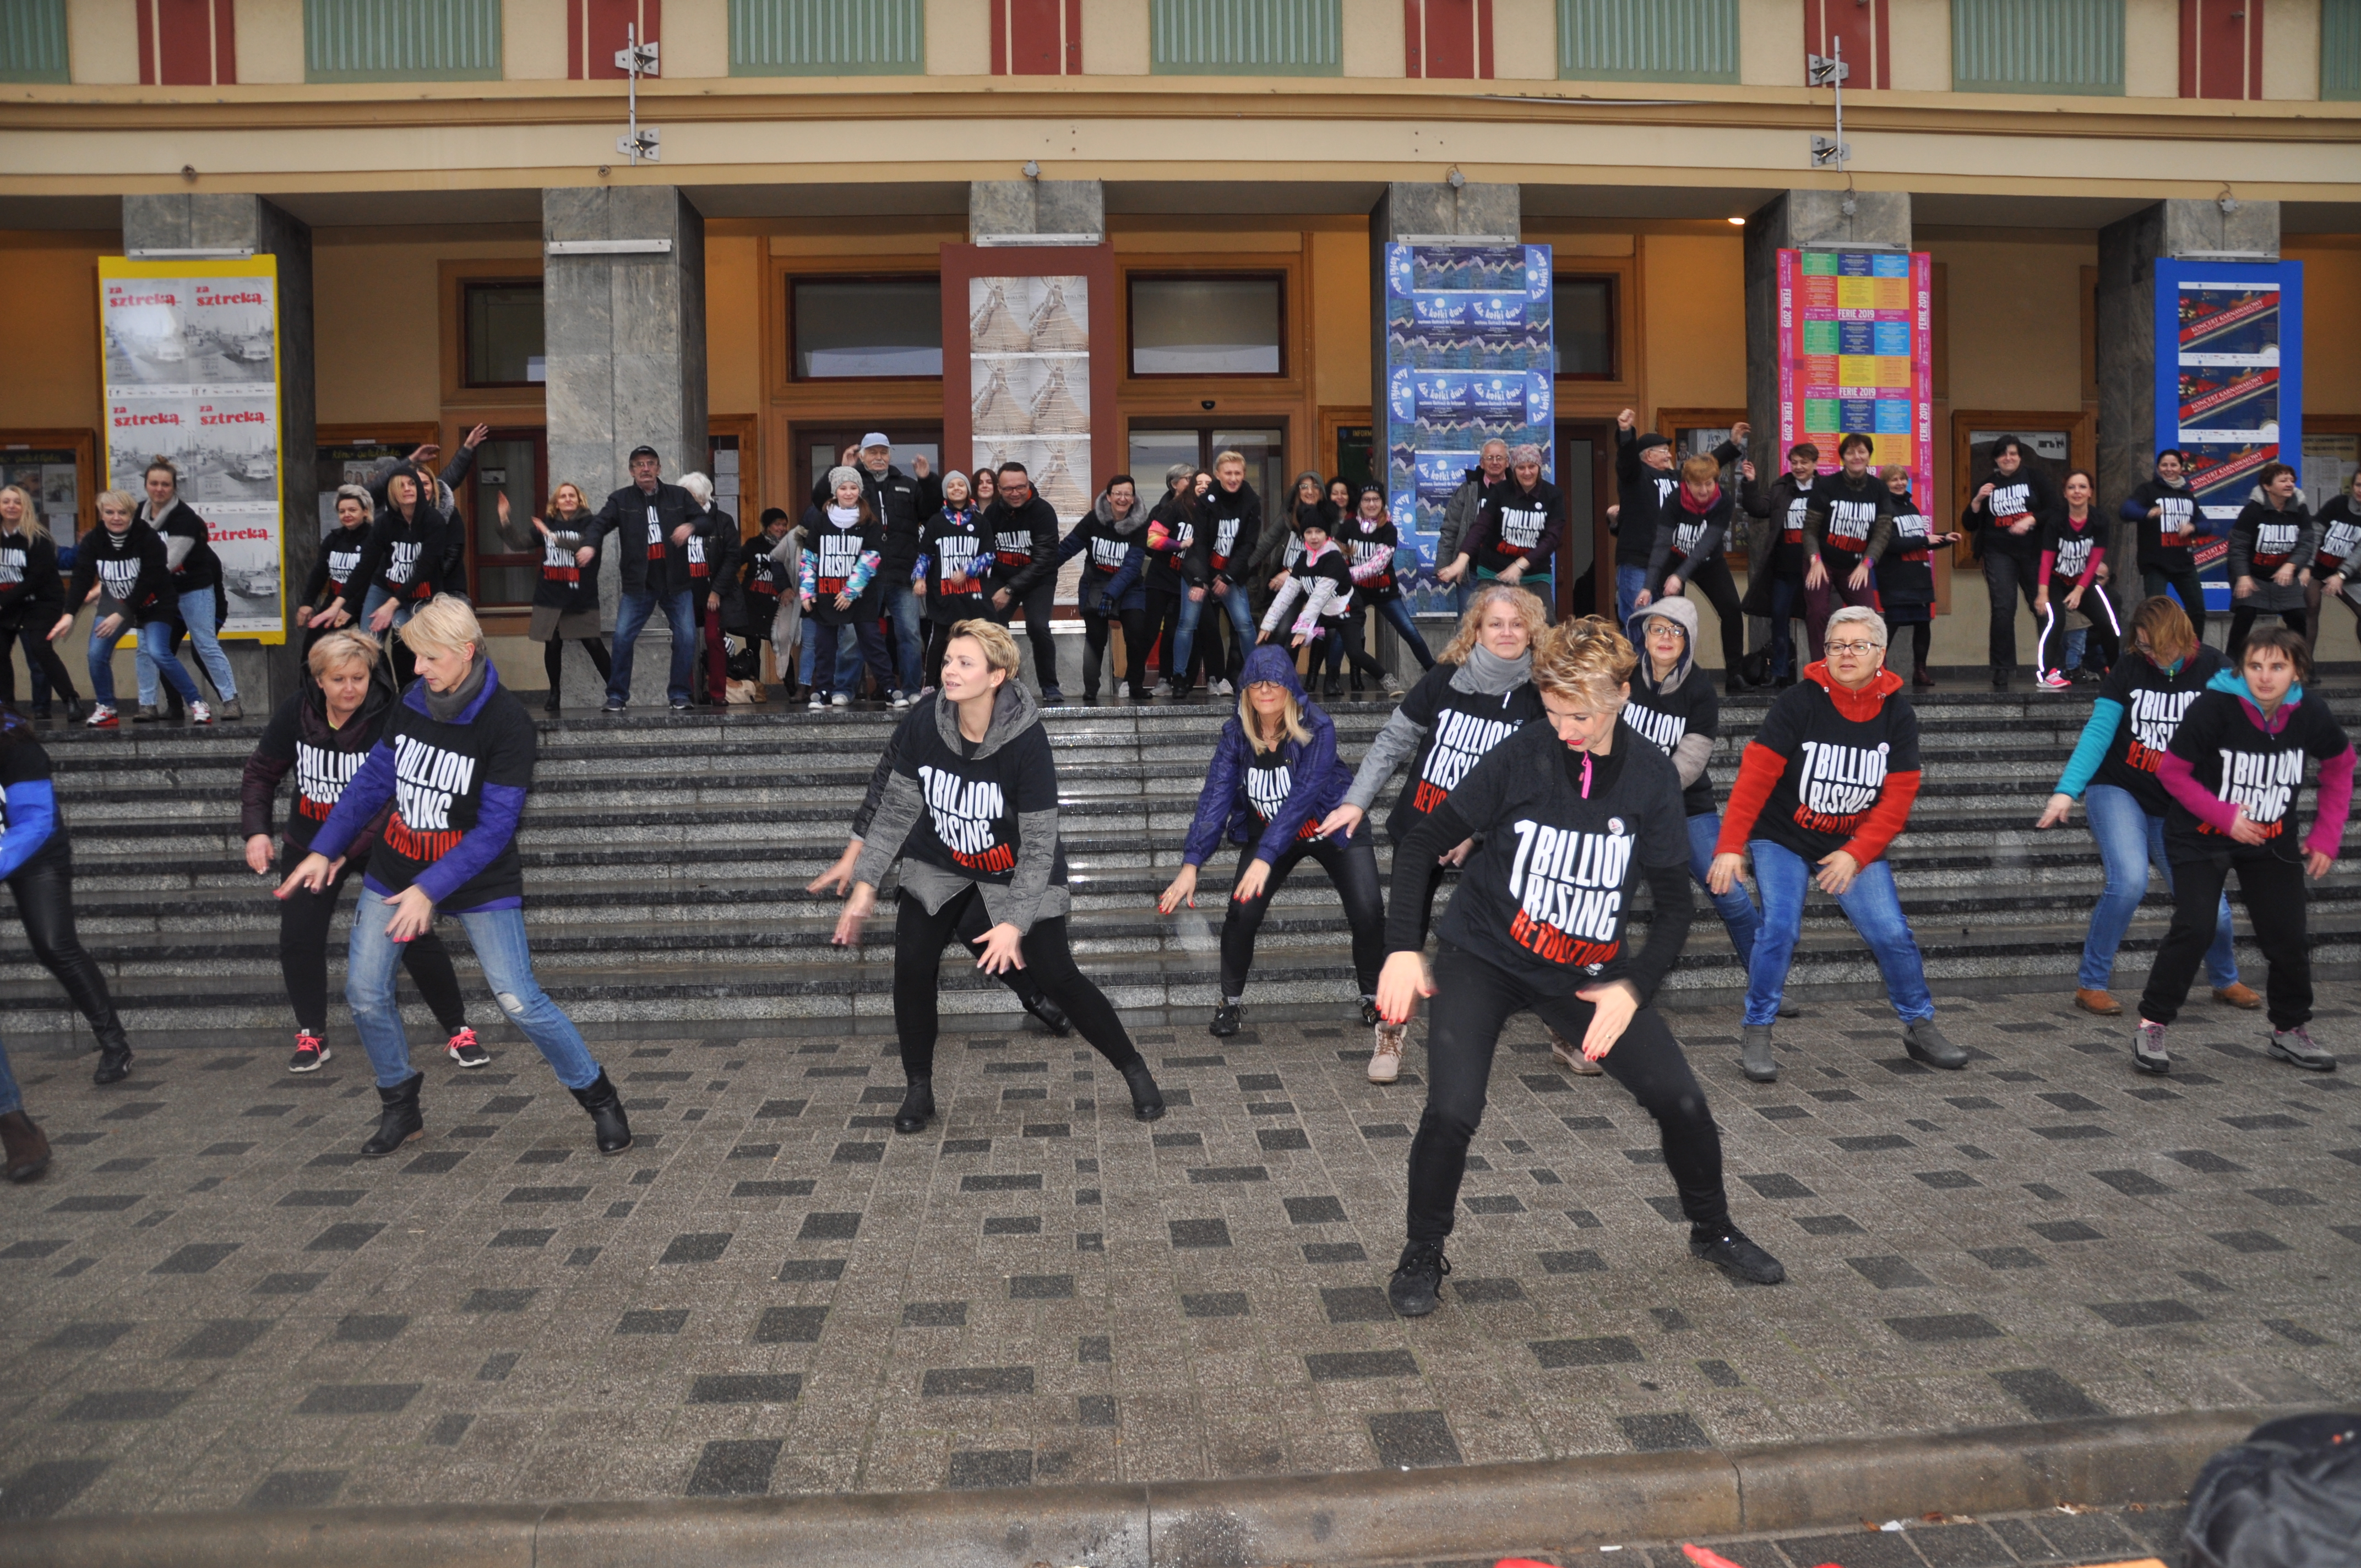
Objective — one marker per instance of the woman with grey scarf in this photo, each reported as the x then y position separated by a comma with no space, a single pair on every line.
1478,694
971,812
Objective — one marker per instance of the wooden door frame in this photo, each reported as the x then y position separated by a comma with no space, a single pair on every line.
1600,434
2082,452
746,428
799,434
83,444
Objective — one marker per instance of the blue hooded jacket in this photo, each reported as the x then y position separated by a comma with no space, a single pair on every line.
1321,777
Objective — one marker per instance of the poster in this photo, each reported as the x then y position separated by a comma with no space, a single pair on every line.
2229,385
1469,358
51,476
190,358
1856,354
1030,384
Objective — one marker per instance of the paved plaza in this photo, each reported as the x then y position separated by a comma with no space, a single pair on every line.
215,1304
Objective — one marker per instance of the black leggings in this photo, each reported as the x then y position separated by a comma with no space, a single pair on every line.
1472,1000
1352,866
2049,647
552,660
918,939
1713,580
2154,580
303,921
40,659
973,924
44,890
1922,637
2272,891
1135,648
2242,621
1037,605
1352,647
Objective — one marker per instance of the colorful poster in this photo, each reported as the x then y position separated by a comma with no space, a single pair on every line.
1469,357
2229,386
190,358
1856,354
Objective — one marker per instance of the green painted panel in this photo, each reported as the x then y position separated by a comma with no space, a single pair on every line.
1648,41
401,40
2340,49
33,41
827,38
2037,45
1246,37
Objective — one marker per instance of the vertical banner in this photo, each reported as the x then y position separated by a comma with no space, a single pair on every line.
1856,354
2229,386
189,360
1469,356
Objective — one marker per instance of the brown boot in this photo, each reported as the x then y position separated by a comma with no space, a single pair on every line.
2237,995
2098,1001
28,1149
1569,1054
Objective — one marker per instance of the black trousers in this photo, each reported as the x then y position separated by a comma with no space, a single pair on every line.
1472,1000
304,922
1721,590
918,939
1135,648
44,890
1352,867
973,923
2272,891
2154,580
1923,638
1164,629
1350,643
1037,606
2008,579
2242,621
553,660
2049,650
41,661
938,632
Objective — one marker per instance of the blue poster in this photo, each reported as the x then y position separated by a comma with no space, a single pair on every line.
2229,386
1469,358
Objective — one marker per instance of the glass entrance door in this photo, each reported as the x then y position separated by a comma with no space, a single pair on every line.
819,448
1586,475
1156,447
507,566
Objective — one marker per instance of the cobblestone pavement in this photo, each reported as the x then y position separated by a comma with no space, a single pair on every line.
215,1303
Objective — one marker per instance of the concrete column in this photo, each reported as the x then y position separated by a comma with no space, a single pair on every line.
191,221
1409,210
1037,206
625,336
2128,251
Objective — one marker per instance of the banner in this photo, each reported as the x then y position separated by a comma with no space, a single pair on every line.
189,360
1856,354
1469,357
2229,386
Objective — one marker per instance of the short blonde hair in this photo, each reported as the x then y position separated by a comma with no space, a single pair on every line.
999,648
1586,660
122,501
350,645
442,624
1527,604
1237,457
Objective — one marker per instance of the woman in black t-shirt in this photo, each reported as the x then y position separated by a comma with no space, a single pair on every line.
32,596
2333,558
953,553
971,812
1570,815
565,599
1906,573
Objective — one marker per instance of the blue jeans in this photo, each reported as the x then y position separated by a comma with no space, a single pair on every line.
1396,614
377,596
155,653
909,647
1184,641
197,615
630,616
2129,841
11,1097
845,648
1873,906
1736,909
1631,582
498,937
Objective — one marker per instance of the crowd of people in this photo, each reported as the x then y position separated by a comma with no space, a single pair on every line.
1550,770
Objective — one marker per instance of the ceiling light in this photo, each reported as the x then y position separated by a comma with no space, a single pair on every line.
1739,223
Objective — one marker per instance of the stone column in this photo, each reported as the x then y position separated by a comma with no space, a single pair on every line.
997,207
1410,211
1796,220
193,221
625,340
2128,251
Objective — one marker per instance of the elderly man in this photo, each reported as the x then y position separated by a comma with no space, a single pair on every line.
1827,782
656,522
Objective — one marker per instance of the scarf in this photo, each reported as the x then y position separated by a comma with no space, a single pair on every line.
1491,674
444,707
1695,508
843,517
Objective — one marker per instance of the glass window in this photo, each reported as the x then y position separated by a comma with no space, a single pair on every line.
508,565
33,41
2037,45
866,326
1584,316
504,335
1205,326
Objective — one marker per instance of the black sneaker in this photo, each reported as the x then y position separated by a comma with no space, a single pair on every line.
1740,1259
1999,679
310,1052
1227,1019
1416,1288
463,1050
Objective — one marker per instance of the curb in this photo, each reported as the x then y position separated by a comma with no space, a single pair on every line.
1472,1510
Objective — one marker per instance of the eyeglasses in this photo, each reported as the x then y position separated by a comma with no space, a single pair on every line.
1850,649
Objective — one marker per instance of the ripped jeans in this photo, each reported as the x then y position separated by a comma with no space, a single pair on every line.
498,937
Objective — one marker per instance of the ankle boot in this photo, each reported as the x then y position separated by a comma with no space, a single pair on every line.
399,1121
606,1108
1147,1099
113,1059
27,1150
917,1106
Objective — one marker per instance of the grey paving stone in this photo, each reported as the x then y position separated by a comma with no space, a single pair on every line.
125,1405
296,1489
48,1487
358,1398
86,1336
1604,1352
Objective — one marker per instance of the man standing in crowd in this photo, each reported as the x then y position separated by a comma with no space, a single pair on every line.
1466,501
655,521
1023,530
903,502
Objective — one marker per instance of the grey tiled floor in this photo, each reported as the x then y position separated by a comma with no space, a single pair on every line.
213,1304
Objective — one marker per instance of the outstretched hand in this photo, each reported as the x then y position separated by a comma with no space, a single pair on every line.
1401,984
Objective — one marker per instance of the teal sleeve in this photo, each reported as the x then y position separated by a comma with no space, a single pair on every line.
2099,734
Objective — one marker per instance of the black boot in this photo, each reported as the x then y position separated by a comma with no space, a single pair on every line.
114,1059
1053,1017
917,1106
606,1108
28,1149
1147,1099
399,1121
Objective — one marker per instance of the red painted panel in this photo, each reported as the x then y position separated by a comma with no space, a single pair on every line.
1861,24
180,52
595,30
999,25
1073,38
1413,38
1035,47
1451,38
2220,48
226,42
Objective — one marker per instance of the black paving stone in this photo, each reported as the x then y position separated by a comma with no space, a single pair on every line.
735,1467
2006,1257
696,1247
1335,1252
2089,1535
1094,1409
447,1431
963,1381
2250,1243
104,1203
1959,1546
934,1314
497,1367
48,1487
2045,1396
197,1257
1777,1184
1412,1439
1041,1287
789,1325
86,1336
1355,1304
811,1271
1829,1225
1001,1182
222,1339
980,1469
1340,1366
2131,1183
523,1236
296,1489
1721,1375
1313,1211
1860,1549
1888,1272
652,1321
1610,1350
1943,1328
486,1300
746,1388
1215,1304
1200,1233
832,1227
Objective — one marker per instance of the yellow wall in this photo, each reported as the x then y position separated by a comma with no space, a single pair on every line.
377,321
52,283
733,324
2332,327
1694,322
1340,317
2016,316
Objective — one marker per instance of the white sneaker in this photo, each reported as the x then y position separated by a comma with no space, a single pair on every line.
199,714
899,700
1385,1060
817,702
842,699
1123,688
1218,688
102,717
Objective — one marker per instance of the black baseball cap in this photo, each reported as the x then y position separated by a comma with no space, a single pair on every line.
640,452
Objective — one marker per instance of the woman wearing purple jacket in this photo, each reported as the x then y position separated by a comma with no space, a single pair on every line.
1275,775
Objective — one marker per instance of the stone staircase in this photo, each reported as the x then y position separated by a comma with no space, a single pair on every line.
666,861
